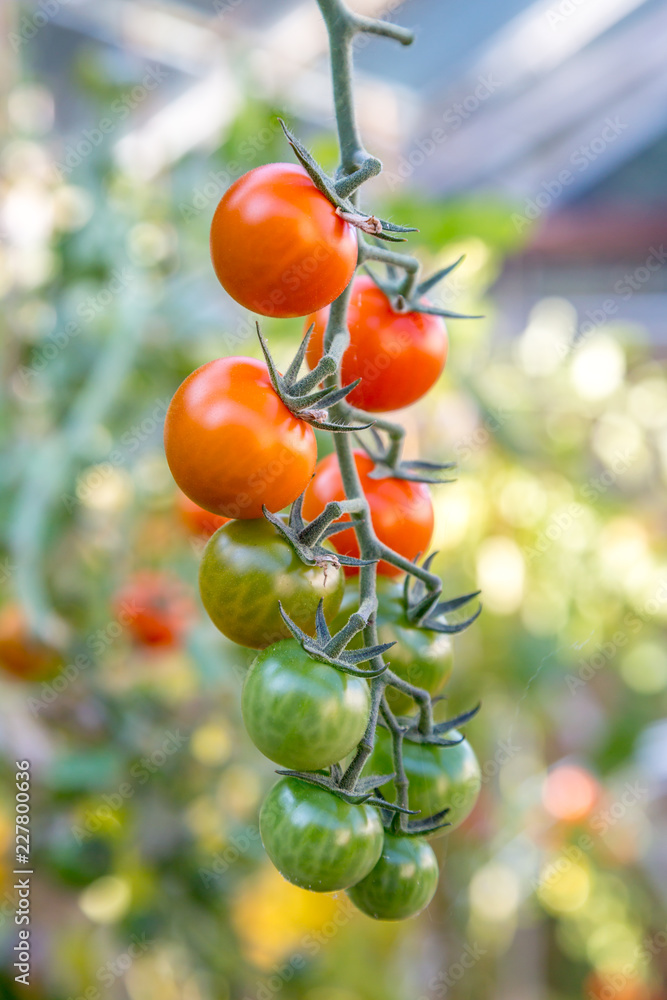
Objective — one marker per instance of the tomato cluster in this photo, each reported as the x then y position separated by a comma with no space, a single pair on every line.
241,447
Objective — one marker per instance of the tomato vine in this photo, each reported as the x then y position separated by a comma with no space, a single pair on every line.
240,443
357,165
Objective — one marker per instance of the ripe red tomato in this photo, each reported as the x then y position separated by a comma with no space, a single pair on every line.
232,444
197,520
401,512
278,246
397,356
155,608
23,655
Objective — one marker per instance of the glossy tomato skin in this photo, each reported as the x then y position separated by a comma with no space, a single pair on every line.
439,777
397,356
247,568
403,882
278,246
401,511
199,522
316,840
23,655
232,444
301,713
155,608
420,656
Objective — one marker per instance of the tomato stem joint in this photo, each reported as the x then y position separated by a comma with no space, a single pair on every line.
296,395
330,649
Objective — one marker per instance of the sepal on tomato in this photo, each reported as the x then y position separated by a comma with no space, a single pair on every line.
437,734
404,299
420,827
309,406
338,191
331,649
363,793
425,611
306,539
414,470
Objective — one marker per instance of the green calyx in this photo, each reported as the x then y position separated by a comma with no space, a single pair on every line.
306,539
331,649
297,394
415,471
338,191
425,610
405,293
362,794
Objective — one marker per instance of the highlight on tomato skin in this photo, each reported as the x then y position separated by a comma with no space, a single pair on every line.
24,656
248,569
277,245
397,356
401,511
155,608
231,443
198,522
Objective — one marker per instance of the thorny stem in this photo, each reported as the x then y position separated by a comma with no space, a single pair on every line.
356,166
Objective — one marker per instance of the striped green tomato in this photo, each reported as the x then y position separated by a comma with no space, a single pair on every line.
247,568
315,839
301,713
439,777
402,883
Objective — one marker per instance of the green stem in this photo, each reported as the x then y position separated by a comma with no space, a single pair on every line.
314,531
400,780
420,695
356,166
340,26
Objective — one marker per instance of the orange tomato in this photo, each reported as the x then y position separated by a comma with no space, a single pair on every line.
618,986
278,246
23,655
155,608
401,512
232,444
197,520
397,356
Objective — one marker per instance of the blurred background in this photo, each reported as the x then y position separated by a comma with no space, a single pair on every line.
532,136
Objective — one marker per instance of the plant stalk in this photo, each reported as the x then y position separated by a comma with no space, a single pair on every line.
342,25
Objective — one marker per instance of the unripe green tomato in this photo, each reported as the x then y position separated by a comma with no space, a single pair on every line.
402,883
247,568
439,777
316,840
301,713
